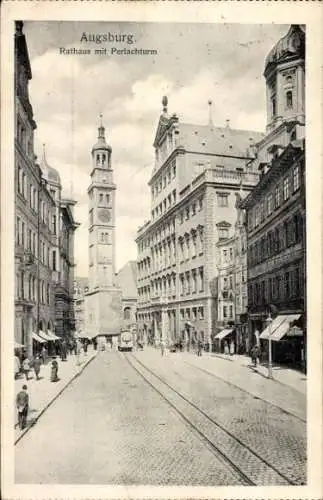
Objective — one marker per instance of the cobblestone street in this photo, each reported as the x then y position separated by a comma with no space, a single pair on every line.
134,436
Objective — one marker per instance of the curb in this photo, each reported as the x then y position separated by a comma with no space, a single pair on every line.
259,372
52,400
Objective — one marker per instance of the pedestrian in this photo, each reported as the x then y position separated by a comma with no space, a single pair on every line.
199,347
255,353
77,351
26,367
54,371
44,354
17,366
231,347
22,403
85,345
162,347
226,348
36,365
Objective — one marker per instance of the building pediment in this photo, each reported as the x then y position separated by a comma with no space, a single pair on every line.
161,129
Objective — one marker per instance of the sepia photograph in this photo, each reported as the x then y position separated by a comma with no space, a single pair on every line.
160,249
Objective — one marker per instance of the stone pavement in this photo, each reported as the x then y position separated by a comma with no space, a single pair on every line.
287,390
282,374
42,392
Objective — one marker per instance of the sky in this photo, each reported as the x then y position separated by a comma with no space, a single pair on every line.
194,63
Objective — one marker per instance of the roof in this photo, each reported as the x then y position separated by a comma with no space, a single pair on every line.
101,144
291,153
127,279
50,174
221,141
290,45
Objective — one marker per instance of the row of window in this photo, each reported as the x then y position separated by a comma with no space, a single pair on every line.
164,255
165,230
285,285
25,141
27,289
191,244
286,234
191,281
191,210
191,313
29,193
273,200
164,205
164,179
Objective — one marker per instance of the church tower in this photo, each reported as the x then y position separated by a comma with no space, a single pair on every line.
103,300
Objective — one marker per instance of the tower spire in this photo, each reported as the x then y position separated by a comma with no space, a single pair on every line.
210,103
101,129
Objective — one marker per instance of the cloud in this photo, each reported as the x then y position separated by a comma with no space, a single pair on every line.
194,63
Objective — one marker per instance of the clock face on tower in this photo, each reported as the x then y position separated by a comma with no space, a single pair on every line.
104,215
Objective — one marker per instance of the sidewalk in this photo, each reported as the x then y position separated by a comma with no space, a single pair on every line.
287,390
42,392
282,374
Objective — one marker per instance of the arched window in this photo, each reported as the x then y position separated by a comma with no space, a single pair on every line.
126,313
97,158
103,158
289,99
101,198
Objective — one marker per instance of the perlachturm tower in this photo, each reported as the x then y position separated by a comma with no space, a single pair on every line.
103,306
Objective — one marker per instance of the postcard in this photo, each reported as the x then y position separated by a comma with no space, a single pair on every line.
161,241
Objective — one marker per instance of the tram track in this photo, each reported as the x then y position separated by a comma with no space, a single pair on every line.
248,466
208,372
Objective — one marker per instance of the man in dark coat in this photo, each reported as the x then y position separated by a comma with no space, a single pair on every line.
22,403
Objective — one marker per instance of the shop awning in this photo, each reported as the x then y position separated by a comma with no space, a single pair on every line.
37,338
52,335
279,327
188,323
223,333
44,336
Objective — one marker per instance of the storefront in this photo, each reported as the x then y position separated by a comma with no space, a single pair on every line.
287,341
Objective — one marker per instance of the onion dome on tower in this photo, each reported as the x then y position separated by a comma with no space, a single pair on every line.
101,151
289,47
285,79
49,173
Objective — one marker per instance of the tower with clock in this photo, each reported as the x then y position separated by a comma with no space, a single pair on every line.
103,300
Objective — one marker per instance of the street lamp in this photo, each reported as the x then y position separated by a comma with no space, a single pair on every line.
270,363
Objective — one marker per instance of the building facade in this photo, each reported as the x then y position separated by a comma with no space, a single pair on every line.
126,279
275,209
198,170
80,288
103,309
34,300
38,211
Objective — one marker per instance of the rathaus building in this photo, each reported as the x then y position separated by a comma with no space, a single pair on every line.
198,171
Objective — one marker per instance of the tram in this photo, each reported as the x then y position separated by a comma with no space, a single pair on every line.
125,341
